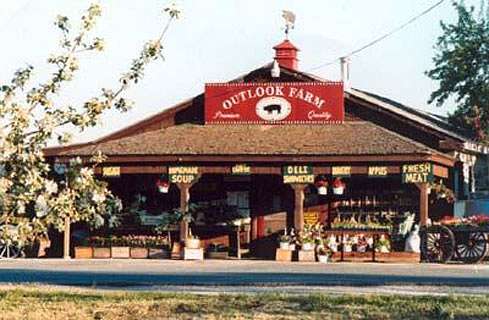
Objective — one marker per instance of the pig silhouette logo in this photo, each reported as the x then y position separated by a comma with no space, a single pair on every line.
273,109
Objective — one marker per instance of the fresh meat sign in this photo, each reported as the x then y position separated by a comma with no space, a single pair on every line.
264,103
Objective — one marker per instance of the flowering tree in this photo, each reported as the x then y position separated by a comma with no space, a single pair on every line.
32,198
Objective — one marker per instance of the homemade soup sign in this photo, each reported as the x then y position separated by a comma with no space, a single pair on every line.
262,103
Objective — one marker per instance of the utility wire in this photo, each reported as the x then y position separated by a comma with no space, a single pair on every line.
379,39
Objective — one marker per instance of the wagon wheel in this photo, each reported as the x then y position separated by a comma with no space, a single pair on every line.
437,244
471,246
9,250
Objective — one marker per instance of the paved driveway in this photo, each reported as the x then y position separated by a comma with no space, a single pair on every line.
212,273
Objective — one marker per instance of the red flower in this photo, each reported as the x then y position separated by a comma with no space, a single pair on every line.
338,183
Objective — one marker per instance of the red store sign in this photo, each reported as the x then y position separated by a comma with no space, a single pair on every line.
260,103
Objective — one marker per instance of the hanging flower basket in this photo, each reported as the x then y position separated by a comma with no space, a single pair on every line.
322,186
163,186
338,186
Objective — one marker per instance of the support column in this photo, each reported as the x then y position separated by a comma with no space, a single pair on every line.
298,206
66,240
423,203
184,200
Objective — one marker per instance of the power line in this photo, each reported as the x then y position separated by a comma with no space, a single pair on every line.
377,40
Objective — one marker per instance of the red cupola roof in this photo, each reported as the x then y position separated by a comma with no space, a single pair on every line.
286,55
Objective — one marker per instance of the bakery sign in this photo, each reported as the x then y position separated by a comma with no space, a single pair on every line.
263,103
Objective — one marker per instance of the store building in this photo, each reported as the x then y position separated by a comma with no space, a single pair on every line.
264,143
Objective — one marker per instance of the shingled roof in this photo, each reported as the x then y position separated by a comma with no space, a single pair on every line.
350,138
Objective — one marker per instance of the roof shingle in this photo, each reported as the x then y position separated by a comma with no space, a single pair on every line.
349,138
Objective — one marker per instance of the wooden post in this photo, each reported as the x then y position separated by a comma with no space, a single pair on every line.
423,203
298,206
66,244
184,199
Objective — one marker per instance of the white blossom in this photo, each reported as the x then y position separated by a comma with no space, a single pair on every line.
41,207
98,197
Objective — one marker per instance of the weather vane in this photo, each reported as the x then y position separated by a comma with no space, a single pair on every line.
289,18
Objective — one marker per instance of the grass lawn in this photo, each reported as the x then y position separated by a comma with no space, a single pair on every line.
51,304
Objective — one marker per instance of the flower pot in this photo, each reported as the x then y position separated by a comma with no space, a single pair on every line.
163,189
323,190
101,253
323,258
383,249
284,246
192,243
158,253
339,190
308,246
83,252
120,252
139,253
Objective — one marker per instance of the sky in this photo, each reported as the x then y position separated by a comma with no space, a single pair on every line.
218,40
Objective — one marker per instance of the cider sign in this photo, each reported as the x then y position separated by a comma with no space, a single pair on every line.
298,174
183,174
417,173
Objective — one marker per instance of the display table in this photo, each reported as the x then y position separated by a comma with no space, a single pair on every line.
374,233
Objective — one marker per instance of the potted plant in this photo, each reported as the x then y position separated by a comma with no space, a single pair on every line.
442,191
383,245
119,248
322,186
284,241
138,248
323,254
307,244
101,247
338,186
163,185
347,244
192,242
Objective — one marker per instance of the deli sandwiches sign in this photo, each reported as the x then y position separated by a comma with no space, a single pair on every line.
260,103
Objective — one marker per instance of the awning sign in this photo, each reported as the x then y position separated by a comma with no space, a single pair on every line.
264,103
377,172
111,171
311,217
341,171
298,174
183,174
417,173
241,170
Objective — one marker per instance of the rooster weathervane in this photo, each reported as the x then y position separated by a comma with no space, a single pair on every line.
289,18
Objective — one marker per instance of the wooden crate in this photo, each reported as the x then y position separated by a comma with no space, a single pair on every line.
83,252
101,253
193,254
283,255
155,253
139,253
306,256
120,252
